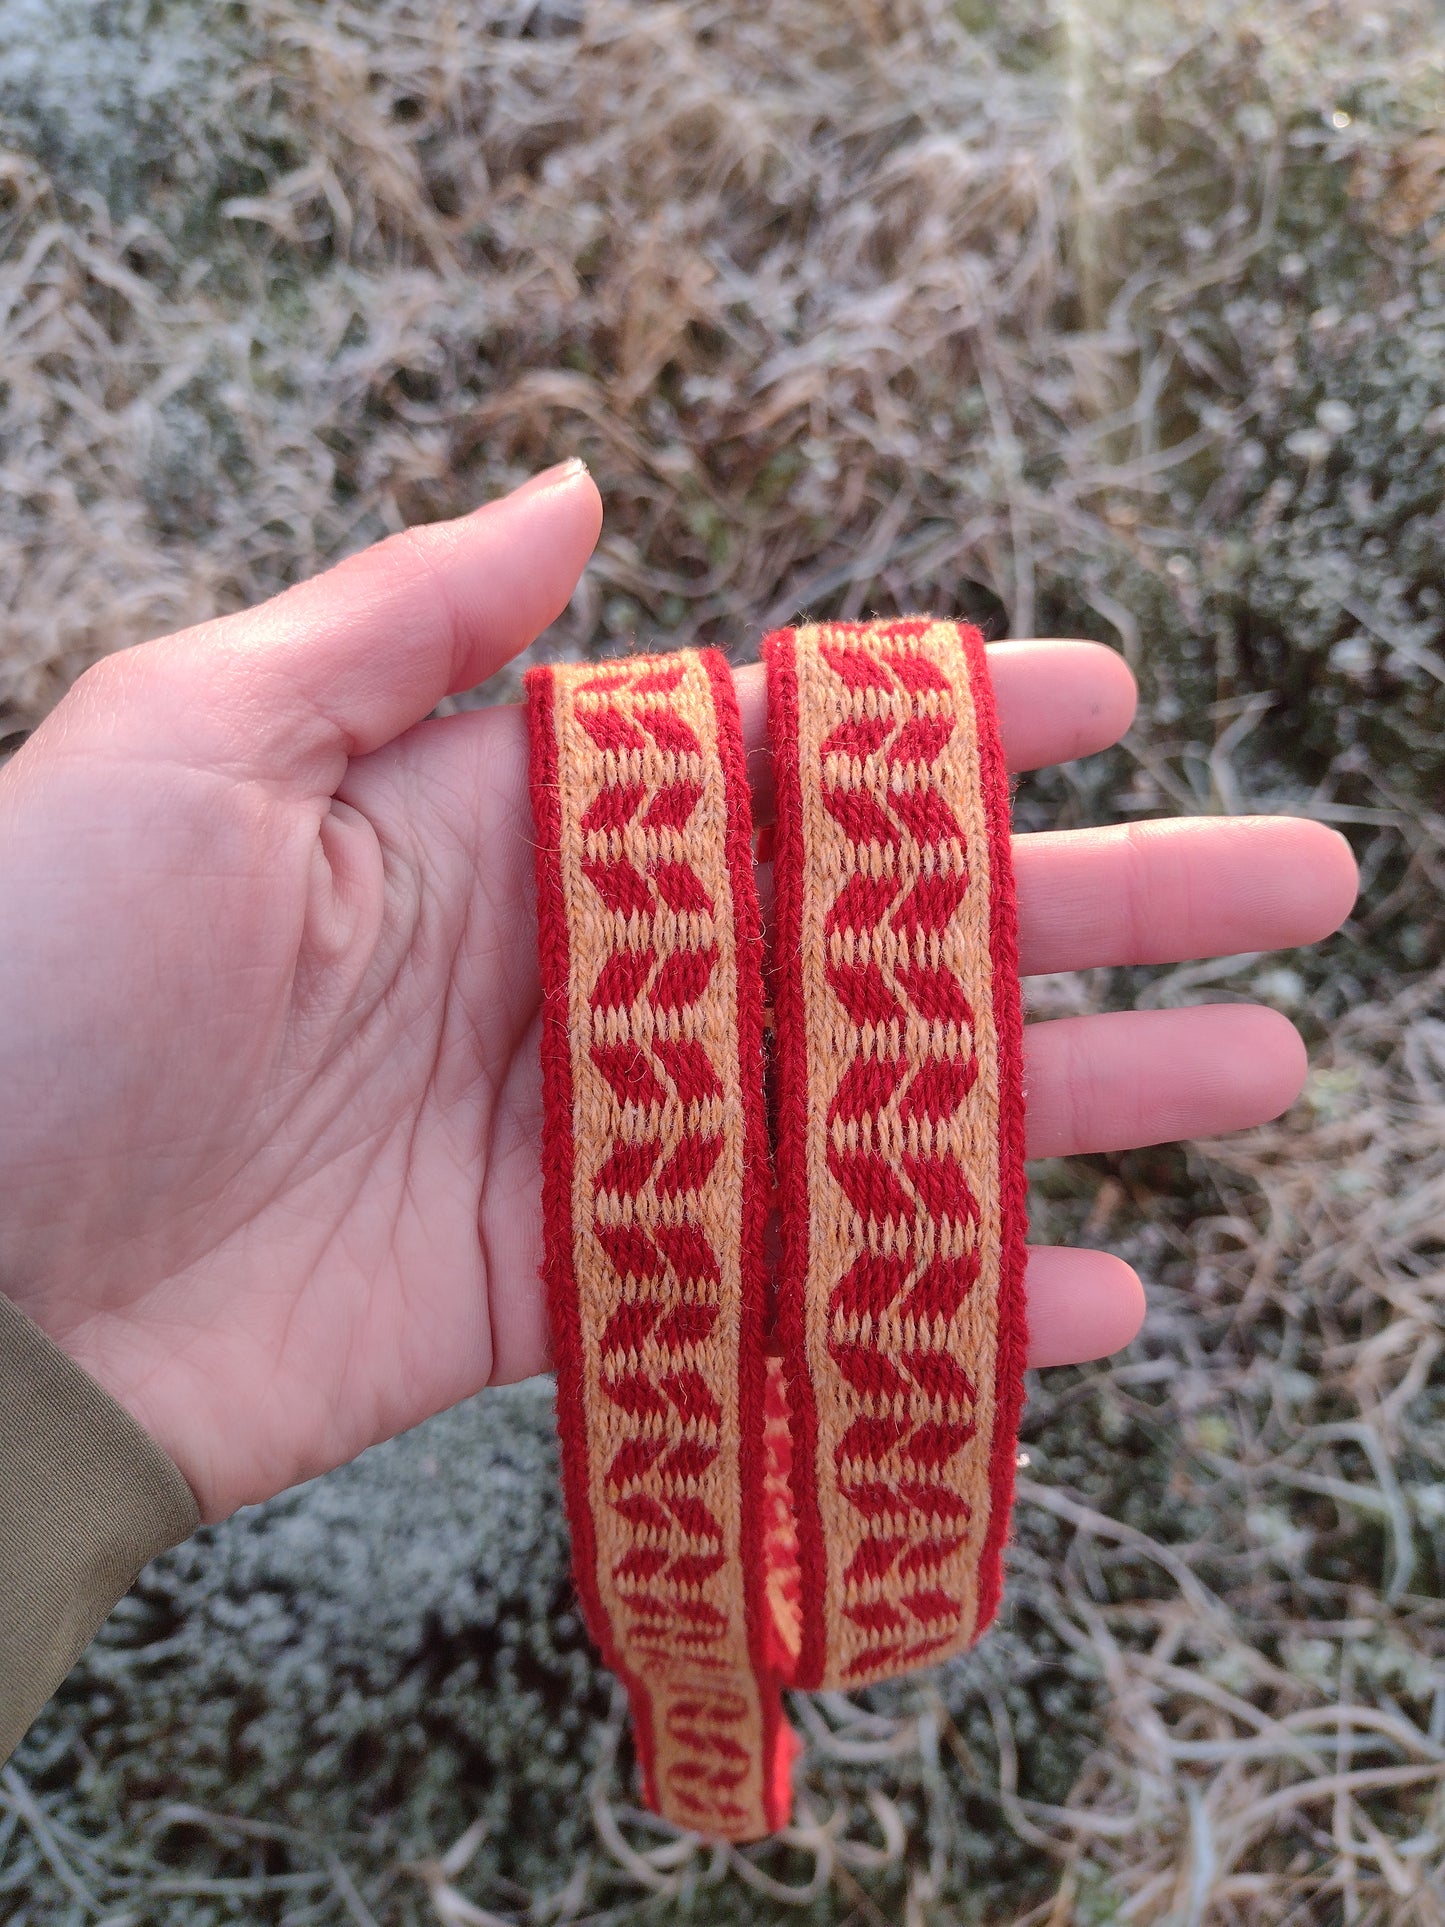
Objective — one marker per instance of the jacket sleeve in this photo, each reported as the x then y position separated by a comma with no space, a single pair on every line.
86,1498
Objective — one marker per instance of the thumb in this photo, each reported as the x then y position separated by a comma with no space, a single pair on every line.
339,665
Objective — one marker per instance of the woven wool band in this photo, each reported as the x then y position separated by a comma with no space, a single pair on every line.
826,1503
656,1196
900,1138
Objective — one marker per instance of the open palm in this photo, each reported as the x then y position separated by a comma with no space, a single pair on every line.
269,1043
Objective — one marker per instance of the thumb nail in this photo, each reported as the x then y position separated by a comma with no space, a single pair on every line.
549,477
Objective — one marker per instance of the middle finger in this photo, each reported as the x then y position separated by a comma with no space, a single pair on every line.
1179,887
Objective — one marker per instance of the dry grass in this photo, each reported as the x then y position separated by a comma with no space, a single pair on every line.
855,306
1276,1741
805,369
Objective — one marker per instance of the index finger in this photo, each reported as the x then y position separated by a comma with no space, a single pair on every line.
1056,700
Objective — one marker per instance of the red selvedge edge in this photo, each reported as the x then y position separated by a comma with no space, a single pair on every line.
557,1171
791,1064
1013,1178
779,1744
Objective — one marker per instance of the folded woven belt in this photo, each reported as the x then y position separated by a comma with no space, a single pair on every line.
805,1480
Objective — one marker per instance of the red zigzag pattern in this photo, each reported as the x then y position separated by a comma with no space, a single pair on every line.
890,1151
665,1339
881,1051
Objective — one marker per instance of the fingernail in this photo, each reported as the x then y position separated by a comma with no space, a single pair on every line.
549,477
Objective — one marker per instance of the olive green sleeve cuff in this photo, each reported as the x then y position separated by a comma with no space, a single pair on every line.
86,1498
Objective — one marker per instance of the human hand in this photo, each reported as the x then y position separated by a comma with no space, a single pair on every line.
269,1043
